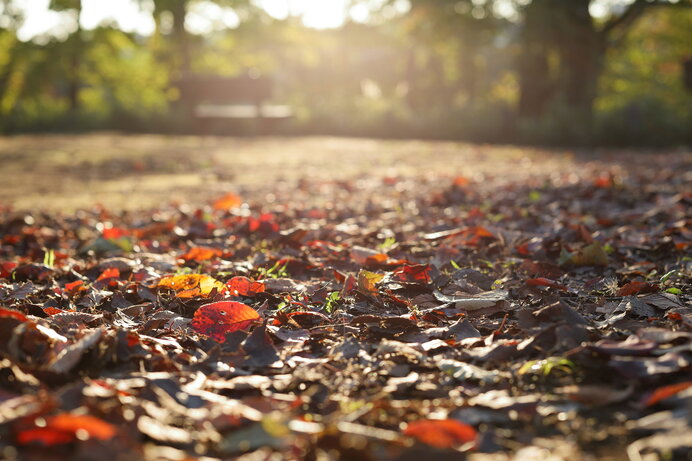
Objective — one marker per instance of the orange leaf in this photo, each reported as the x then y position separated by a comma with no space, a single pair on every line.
110,273
461,181
200,254
664,392
444,433
366,256
74,287
228,201
189,286
217,319
483,232
65,428
243,286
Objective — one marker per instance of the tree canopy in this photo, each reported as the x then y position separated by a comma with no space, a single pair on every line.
574,71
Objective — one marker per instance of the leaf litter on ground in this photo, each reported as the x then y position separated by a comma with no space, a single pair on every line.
413,316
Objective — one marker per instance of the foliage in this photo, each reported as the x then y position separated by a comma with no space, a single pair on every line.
439,69
642,94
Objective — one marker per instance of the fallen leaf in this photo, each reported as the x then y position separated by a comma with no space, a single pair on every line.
419,273
109,273
200,254
12,314
66,428
367,257
633,288
590,255
367,281
75,287
217,319
545,282
191,285
228,201
665,392
441,433
243,286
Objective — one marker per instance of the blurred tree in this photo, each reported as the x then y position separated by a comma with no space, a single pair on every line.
180,51
642,96
562,56
447,40
74,47
10,76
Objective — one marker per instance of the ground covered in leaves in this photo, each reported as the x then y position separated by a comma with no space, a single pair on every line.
382,316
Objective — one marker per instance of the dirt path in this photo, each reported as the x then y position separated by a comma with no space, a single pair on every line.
65,172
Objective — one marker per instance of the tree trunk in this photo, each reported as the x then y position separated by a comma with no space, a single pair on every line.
182,41
580,51
535,81
74,78
560,64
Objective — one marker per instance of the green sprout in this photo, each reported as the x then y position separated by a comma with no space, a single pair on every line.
49,258
388,243
331,303
277,271
547,366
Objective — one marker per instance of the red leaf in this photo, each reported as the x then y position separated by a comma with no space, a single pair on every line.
217,319
545,282
6,269
65,428
413,273
115,233
265,224
604,181
12,314
636,287
52,310
350,284
665,392
444,433
243,286
523,249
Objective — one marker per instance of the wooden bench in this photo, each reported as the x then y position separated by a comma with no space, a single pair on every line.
233,105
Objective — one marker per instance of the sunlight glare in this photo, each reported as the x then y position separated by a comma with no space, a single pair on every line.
203,16
319,14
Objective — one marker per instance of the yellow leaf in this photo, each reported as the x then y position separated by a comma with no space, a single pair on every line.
189,286
367,281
